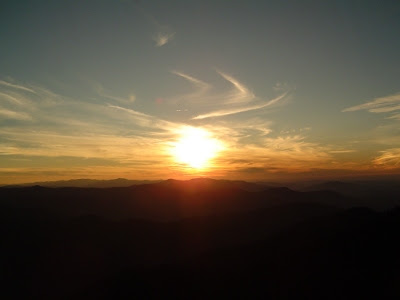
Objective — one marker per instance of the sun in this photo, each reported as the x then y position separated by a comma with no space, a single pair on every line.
195,147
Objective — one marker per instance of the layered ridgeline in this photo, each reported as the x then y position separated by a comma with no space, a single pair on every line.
200,238
163,201
174,199
85,183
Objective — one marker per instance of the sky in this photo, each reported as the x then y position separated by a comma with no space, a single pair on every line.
287,89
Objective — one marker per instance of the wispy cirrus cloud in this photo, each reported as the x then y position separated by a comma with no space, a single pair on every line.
10,114
236,110
385,104
11,98
200,90
384,134
49,109
204,93
101,91
103,140
241,94
164,34
394,117
65,127
236,100
291,153
389,158
58,144
145,120
16,86
163,37
111,129
343,151
22,102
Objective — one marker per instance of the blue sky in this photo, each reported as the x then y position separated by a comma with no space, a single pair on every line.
291,88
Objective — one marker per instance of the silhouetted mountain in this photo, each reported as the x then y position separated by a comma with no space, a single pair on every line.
200,239
207,183
167,200
375,193
334,186
86,183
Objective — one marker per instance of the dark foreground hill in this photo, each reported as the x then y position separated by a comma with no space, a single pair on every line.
199,239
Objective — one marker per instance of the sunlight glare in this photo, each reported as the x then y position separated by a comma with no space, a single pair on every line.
196,147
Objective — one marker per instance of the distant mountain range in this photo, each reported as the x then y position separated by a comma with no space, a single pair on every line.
200,238
374,193
170,199
347,187
164,200
369,191
92,183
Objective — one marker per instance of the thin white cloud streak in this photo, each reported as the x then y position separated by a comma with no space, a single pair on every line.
231,111
11,99
385,109
148,121
394,117
16,86
378,105
9,114
203,95
198,83
261,126
342,151
296,145
100,90
241,94
200,90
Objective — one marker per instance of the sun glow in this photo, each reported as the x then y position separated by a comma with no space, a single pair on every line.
196,147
